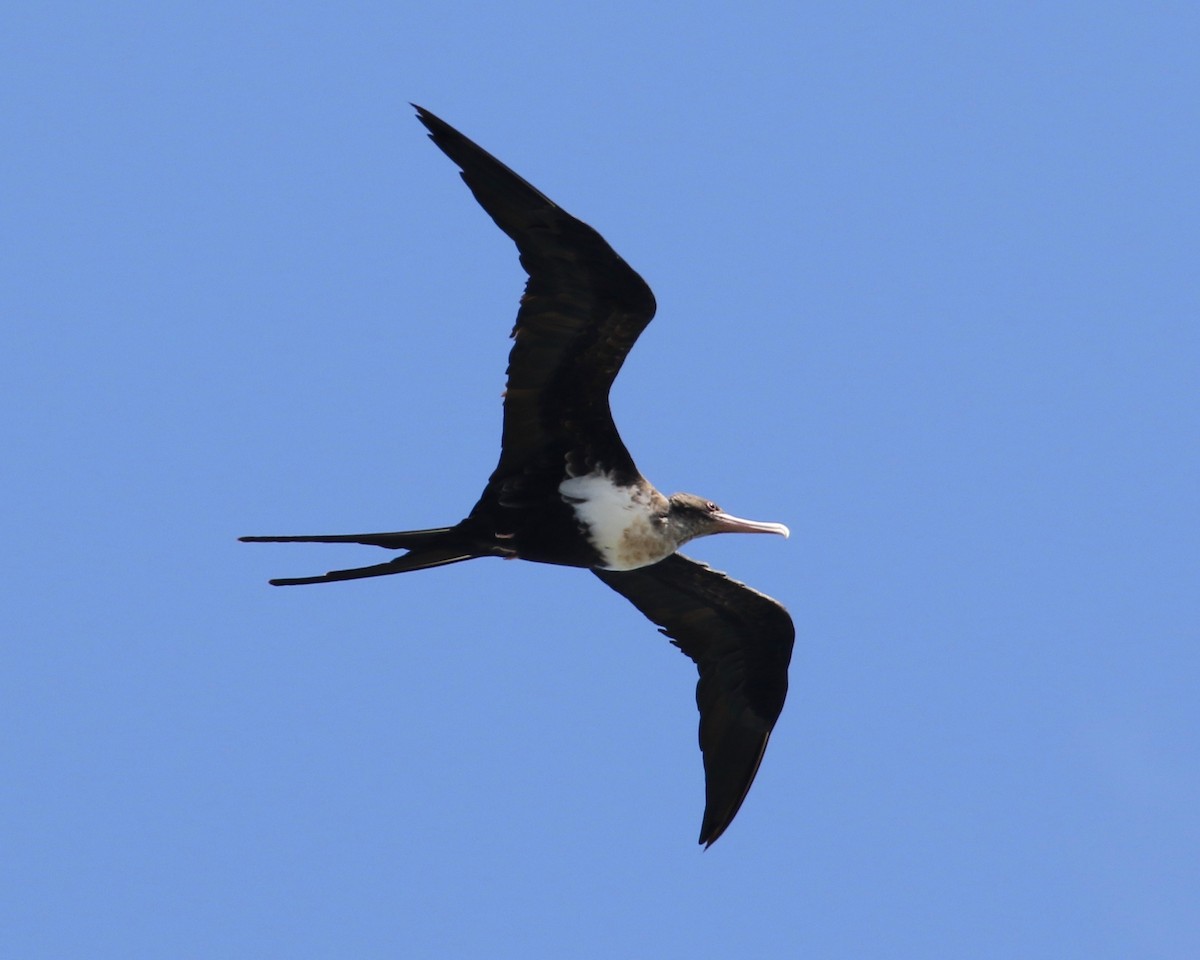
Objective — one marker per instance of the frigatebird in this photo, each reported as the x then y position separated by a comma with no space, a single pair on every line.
566,491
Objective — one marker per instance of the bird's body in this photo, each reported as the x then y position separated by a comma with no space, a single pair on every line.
566,491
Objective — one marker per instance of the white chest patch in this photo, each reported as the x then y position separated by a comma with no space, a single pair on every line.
619,521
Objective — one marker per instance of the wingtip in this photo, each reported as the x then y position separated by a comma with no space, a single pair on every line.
431,121
710,834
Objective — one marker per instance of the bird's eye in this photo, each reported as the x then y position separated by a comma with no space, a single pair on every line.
711,507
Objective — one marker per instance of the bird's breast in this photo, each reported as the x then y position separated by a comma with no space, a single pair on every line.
620,522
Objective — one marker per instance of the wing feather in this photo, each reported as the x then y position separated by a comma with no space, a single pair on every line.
582,310
741,642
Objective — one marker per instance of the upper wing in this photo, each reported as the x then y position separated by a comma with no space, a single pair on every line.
582,310
741,641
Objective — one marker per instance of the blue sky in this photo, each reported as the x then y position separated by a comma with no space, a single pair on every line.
928,293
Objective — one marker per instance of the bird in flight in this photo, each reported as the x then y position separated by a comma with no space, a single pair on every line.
566,491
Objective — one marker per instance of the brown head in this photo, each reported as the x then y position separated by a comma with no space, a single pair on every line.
689,517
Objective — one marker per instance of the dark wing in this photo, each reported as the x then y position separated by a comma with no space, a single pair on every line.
582,310
741,641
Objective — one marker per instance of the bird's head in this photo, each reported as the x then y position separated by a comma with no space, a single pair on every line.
689,517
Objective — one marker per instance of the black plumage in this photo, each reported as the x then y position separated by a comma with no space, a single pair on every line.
567,491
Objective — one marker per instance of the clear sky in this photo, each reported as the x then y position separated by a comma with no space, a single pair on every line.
929,292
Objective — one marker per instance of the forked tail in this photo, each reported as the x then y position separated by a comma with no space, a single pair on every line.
426,548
